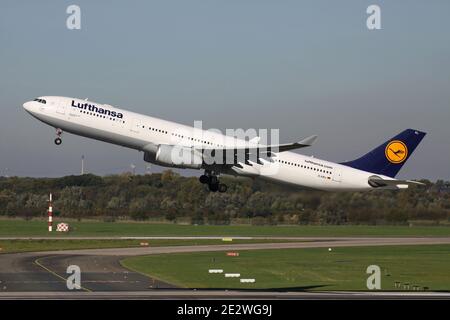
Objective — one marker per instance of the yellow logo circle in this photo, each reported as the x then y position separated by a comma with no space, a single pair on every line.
396,151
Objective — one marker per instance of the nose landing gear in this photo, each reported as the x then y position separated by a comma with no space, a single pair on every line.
58,139
210,178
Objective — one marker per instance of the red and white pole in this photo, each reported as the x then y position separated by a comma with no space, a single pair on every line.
50,214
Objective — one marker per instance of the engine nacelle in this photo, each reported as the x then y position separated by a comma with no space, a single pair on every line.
179,157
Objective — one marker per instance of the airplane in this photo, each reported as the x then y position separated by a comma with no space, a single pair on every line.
174,145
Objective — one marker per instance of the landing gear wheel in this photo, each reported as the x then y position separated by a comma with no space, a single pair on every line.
210,178
203,179
213,187
222,187
213,180
58,140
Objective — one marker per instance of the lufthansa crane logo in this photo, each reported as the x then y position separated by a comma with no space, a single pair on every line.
396,151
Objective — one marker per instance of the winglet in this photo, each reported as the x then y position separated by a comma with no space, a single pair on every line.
255,140
296,145
308,141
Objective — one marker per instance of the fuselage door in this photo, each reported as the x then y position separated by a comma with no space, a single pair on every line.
136,125
337,175
60,107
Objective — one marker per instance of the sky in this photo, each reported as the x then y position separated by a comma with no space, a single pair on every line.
304,67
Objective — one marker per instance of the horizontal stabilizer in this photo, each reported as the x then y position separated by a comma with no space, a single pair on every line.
376,182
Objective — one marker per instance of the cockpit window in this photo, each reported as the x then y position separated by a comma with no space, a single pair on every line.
40,100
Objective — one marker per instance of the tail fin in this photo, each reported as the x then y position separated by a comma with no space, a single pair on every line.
388,158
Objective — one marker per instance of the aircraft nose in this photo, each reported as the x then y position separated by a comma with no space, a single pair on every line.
27,105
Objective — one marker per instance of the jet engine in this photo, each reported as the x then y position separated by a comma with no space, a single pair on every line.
176,156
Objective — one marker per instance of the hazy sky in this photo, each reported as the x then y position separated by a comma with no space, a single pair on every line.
306,67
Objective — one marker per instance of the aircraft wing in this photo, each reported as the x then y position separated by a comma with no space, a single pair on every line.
229,156
252,146
307,142
253,152
380,182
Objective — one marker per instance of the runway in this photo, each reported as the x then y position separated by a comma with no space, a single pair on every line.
42,275
64,237
312,243
38,272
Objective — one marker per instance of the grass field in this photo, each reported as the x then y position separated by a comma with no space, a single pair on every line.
304,269
18,227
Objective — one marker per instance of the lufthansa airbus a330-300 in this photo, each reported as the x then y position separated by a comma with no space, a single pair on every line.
170,144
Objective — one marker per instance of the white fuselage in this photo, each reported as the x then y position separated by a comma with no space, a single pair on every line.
145,133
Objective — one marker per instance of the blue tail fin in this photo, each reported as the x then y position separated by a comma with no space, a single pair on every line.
389,158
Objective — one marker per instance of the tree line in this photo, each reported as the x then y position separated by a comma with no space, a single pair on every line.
170,196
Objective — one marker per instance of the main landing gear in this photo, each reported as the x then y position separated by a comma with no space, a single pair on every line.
210,178
58,139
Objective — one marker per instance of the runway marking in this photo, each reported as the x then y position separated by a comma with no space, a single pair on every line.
55,274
